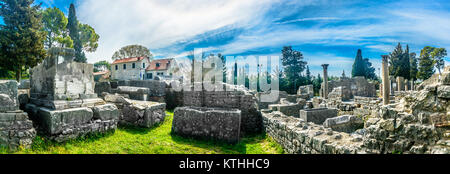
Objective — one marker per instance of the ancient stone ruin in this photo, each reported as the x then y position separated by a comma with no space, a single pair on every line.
16,130
63,104
208,123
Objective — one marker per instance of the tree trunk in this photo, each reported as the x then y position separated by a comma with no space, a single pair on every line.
18,74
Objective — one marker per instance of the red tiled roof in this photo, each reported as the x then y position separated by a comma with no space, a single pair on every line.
128,60
100,73
163,64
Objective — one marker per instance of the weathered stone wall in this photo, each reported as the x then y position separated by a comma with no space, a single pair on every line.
306,92
251,122
318,115
358,86
157,88
60,78
16,130
299,137
207,123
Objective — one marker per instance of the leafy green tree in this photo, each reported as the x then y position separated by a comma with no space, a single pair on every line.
359,65
89,39
133,51
369,70
100,65
293,65
74,33
438,55
55,24
21,36
394,60
426,63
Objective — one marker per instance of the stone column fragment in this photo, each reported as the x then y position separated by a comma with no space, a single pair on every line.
385,78
325,80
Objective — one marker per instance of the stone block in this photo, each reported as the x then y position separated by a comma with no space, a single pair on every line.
142,113
135,93
8,95
443,91
346,123
106,112
54,122
207,123
318,116
287,109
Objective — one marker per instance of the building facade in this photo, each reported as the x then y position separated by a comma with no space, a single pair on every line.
159,68
129,68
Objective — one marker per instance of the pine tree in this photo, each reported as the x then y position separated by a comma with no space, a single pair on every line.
74,33
426,63
294,65
21,36
438,55
369,71
358,66
308,75
394,60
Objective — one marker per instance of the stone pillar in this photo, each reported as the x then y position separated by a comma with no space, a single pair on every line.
406,85
325,80
400,83
386,81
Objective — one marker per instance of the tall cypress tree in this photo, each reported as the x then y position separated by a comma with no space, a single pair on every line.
74,34
21,36
394,60
308,75
426,63
414,69
358,66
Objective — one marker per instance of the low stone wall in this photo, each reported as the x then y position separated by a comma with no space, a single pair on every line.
207,123
317,116
16,130
287,109
299,137
135,93
346,123
67,124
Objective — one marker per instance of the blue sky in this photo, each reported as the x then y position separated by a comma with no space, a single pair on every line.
325,31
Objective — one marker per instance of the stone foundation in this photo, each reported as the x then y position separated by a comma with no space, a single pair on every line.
207,123
317,116
299,137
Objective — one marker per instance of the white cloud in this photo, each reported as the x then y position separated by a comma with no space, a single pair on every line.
160,23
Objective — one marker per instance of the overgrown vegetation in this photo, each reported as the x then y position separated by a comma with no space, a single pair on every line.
157,140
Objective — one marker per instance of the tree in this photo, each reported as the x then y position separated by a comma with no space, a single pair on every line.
414,69
308,75
55,24
438,55
426,63
317,84
21,36
394,60
358,67
101,65
74,33
369,71
89,39
294,65
132,51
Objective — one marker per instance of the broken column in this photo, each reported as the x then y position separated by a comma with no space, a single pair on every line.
400,83
385,78
62,98
16,130
325,80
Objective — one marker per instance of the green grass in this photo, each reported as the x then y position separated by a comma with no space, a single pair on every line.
157,140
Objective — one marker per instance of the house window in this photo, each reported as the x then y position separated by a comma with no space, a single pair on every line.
160,74
149,75
143,65
133,65
157,65
124,66
117,67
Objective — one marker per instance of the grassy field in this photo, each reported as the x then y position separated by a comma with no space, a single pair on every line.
158,140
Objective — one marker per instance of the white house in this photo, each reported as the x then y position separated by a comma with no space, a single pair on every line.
130,68
159,67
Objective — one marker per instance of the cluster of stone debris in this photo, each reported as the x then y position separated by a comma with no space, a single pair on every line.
415,122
